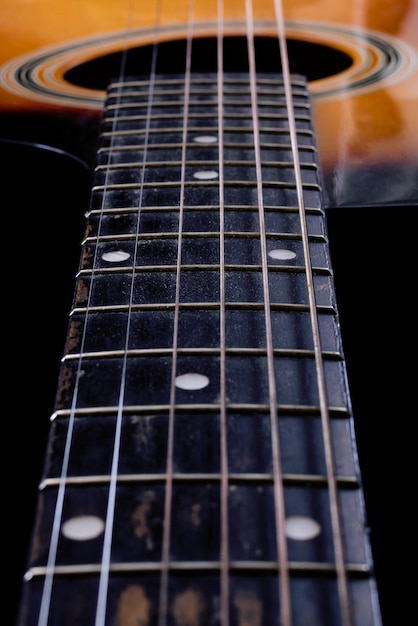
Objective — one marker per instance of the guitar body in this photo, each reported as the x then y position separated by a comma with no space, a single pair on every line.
364,103
360,60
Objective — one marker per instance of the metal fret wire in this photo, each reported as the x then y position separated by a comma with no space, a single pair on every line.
165,559
57,521
284,583
222,321
323,400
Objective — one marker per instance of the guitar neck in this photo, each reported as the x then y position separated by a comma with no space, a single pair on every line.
201,465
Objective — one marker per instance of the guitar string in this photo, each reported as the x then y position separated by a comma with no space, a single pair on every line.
110,514
45,604
165,557
279,504
319,364
224,548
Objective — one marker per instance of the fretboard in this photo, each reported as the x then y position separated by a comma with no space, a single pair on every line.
201,465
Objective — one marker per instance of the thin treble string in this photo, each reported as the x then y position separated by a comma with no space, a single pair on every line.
285,611
110,514
165,558
323,400
45,605
223,415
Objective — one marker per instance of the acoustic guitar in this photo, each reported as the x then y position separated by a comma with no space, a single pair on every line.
220,163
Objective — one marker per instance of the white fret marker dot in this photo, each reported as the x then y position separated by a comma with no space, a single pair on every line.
116,256
192,381
302,528
282,254
206,174
83,527
205,139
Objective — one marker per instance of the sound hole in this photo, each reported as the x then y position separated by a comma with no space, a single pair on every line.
315,61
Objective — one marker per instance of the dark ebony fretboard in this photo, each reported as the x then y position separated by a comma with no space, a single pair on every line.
194,476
